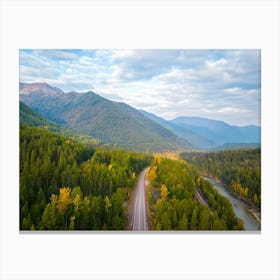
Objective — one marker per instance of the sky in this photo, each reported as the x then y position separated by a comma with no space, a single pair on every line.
216,84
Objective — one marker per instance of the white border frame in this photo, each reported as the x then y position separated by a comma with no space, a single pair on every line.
139,24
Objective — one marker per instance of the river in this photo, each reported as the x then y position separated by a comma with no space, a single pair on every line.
239,207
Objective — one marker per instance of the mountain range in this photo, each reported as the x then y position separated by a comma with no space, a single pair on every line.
197,141
120,125
220,132
113,123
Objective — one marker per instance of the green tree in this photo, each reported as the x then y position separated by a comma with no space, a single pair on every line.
204,219
194,219
165,222
48,218
183,223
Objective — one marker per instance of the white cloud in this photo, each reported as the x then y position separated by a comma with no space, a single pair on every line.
217,63
120,55
232,90
227,110
208,83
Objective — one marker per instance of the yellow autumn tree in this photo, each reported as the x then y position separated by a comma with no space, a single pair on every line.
64,199
76,196
152,173
164,192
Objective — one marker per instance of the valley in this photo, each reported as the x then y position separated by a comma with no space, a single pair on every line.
88,163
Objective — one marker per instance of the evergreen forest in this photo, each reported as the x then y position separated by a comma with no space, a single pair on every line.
239,169
67,185
172,195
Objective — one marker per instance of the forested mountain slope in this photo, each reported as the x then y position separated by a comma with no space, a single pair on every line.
112,123
30,117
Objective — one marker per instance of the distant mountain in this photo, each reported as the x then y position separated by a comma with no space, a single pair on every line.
195,139
234,146
113,123
220,132
44,88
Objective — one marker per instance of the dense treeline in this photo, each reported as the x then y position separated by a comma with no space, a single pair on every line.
69,185
172,197
223,208
240,170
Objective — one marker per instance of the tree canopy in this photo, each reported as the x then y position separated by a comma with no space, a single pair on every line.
240,170
67,185
173,201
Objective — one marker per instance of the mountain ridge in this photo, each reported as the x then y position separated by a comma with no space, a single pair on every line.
113,123
195,139
28,88
220,132
210,121
120,125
